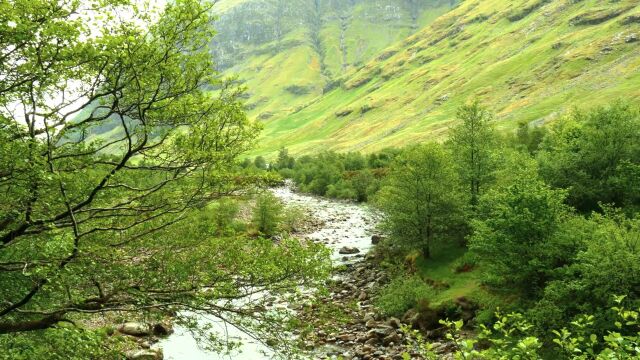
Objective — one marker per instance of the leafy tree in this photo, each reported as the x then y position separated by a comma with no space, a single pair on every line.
246,163
596,156
285,161
89,222
607,262
267,213
514,235
420,197
260,163
354,161
530,137
472,143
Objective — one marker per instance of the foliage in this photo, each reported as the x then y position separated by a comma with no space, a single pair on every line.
402,294
284,161
607,262
420,198
225,212
125,133
514,237
267,214
260,163
350,176
595,155
63,343
293,219
510,338
529,137
472,144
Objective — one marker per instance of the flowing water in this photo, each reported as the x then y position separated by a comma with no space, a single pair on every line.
343,224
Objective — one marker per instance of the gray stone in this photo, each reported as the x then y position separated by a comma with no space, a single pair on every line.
162,329
349,250
375,239
394,323
153,354
135,329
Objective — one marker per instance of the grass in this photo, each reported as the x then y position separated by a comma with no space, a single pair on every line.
534,69
441,268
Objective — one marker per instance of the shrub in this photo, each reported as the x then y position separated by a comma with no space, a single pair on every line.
402,294
267,214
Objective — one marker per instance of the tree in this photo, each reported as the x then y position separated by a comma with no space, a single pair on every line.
606,262
260,163
530,137
514,237
88,219
472,143
420,197
267,214
596,156
285,161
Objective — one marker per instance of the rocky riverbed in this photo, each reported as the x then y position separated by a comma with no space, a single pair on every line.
358,332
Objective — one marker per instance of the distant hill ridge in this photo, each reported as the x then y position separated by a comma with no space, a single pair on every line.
528,60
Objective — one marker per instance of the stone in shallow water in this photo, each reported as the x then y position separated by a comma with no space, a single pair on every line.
144,355
349,250
135,329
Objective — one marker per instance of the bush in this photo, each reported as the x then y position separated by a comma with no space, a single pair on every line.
293,219
224,213
63,343
608,263
267,214
402,294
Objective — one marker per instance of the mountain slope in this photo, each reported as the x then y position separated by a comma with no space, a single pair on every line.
288,51
528,60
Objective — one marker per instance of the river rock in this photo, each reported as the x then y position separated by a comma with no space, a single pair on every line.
392,338
347,337
371,324
394,323
362,296
371,342
349,250
149,354
411,317
368,317
162,329
135,329
375,239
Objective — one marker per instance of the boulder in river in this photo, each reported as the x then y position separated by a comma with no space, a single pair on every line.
135,329
149,354
375,239
162,329
349,250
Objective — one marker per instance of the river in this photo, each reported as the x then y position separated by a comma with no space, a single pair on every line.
344,224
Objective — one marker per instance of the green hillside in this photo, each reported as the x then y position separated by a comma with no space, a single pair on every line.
289,52
528,60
